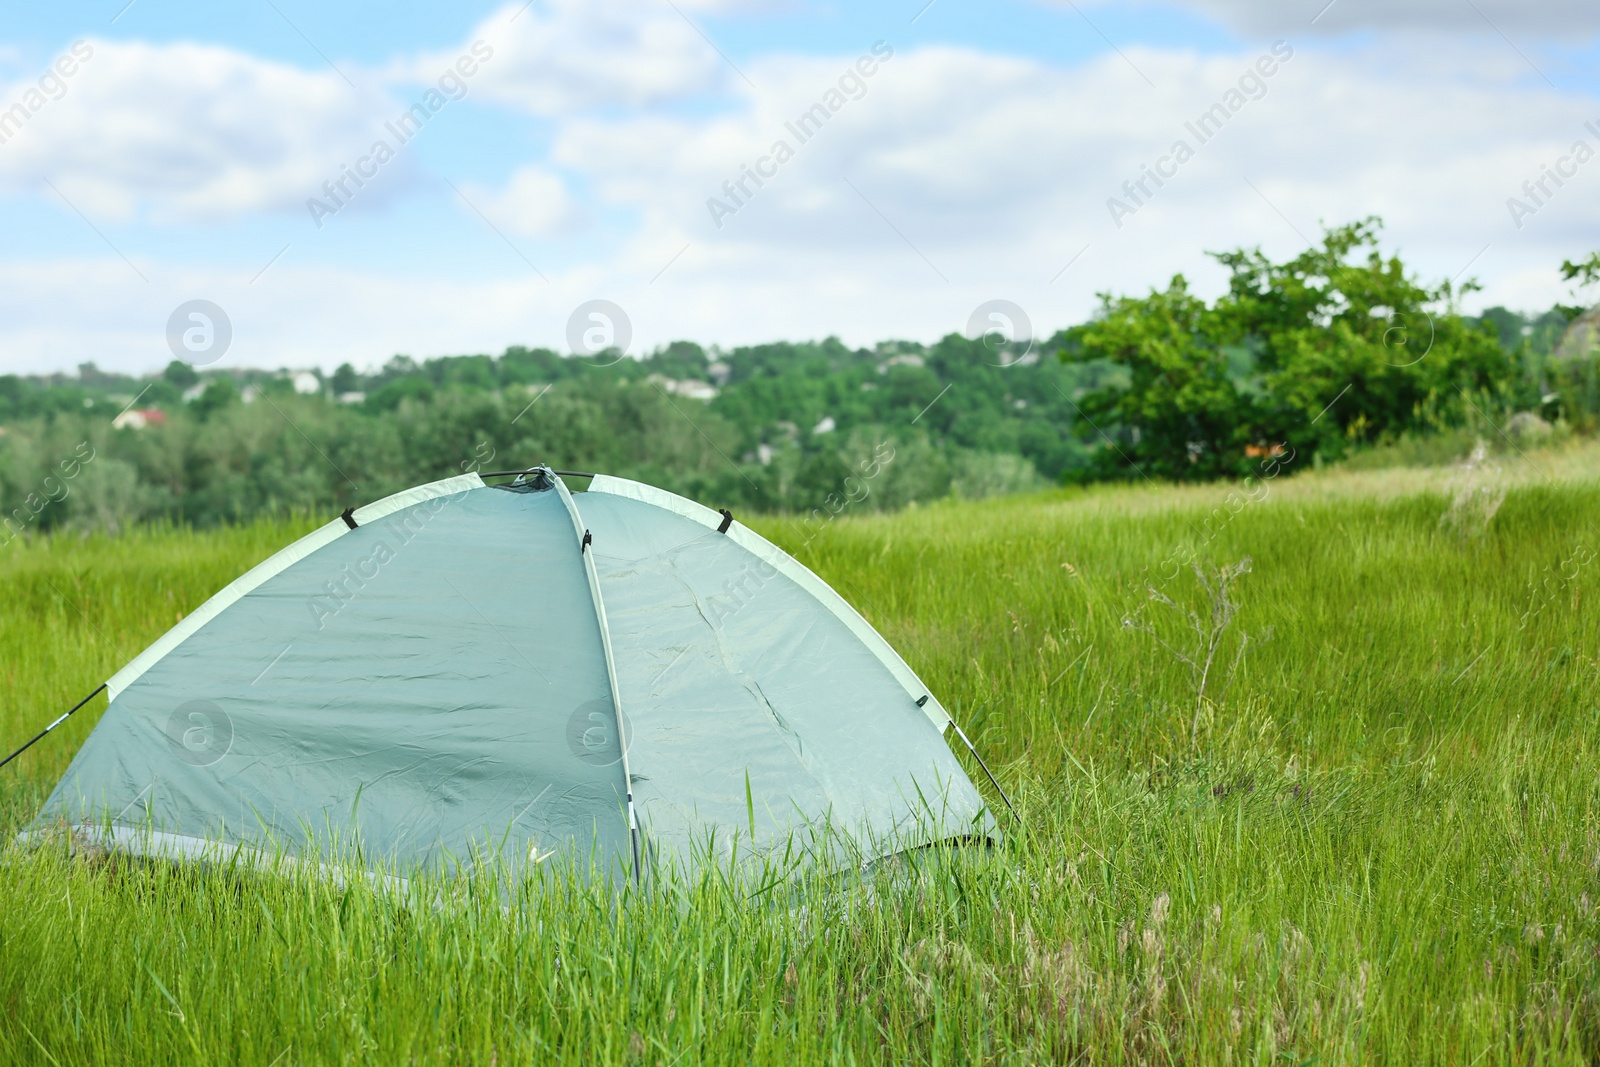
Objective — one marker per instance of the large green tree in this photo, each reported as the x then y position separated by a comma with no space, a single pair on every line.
1337,346
1584,271
1179,413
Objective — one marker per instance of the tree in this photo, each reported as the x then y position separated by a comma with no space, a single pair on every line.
219,394
1586,272
346,380
180,374
1583,273
680,359
1312,355
1352,352
1180,414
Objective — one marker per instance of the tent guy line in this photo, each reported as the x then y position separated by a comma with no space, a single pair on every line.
64,717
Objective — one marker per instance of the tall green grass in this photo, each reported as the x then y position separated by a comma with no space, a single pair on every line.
1380,846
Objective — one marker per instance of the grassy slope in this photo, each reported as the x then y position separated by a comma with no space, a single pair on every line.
1383,846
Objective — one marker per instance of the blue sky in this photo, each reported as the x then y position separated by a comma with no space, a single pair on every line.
587,156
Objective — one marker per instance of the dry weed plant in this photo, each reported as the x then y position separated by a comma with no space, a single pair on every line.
1480,488
1207,627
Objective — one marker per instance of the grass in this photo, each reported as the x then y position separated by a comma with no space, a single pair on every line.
1380,846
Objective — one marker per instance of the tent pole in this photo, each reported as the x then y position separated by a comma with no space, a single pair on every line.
584,541
962,734
52,726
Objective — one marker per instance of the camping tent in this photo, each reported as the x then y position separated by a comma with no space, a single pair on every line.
618,676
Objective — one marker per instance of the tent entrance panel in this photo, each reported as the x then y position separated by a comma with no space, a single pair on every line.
748,698
427,683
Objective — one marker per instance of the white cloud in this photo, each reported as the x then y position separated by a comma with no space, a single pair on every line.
1542,17
959,137
569,55
1000,168
983,176
198,133
187,131
742,7
535,202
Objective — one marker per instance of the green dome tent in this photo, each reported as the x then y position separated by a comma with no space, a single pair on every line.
617,677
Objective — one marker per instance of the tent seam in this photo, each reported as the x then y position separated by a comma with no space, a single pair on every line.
610,660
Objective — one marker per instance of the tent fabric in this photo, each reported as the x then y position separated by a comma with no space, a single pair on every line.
770,554
776,687
277,563
403,689
465,670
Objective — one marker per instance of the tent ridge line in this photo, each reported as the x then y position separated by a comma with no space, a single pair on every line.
585,539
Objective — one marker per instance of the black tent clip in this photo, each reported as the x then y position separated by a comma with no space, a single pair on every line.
727,520
587,541
349,517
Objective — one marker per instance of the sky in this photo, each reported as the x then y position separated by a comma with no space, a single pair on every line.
350,181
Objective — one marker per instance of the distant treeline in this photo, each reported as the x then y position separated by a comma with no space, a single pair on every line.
1332,352
788,424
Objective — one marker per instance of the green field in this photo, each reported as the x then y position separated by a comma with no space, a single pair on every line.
1373,839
